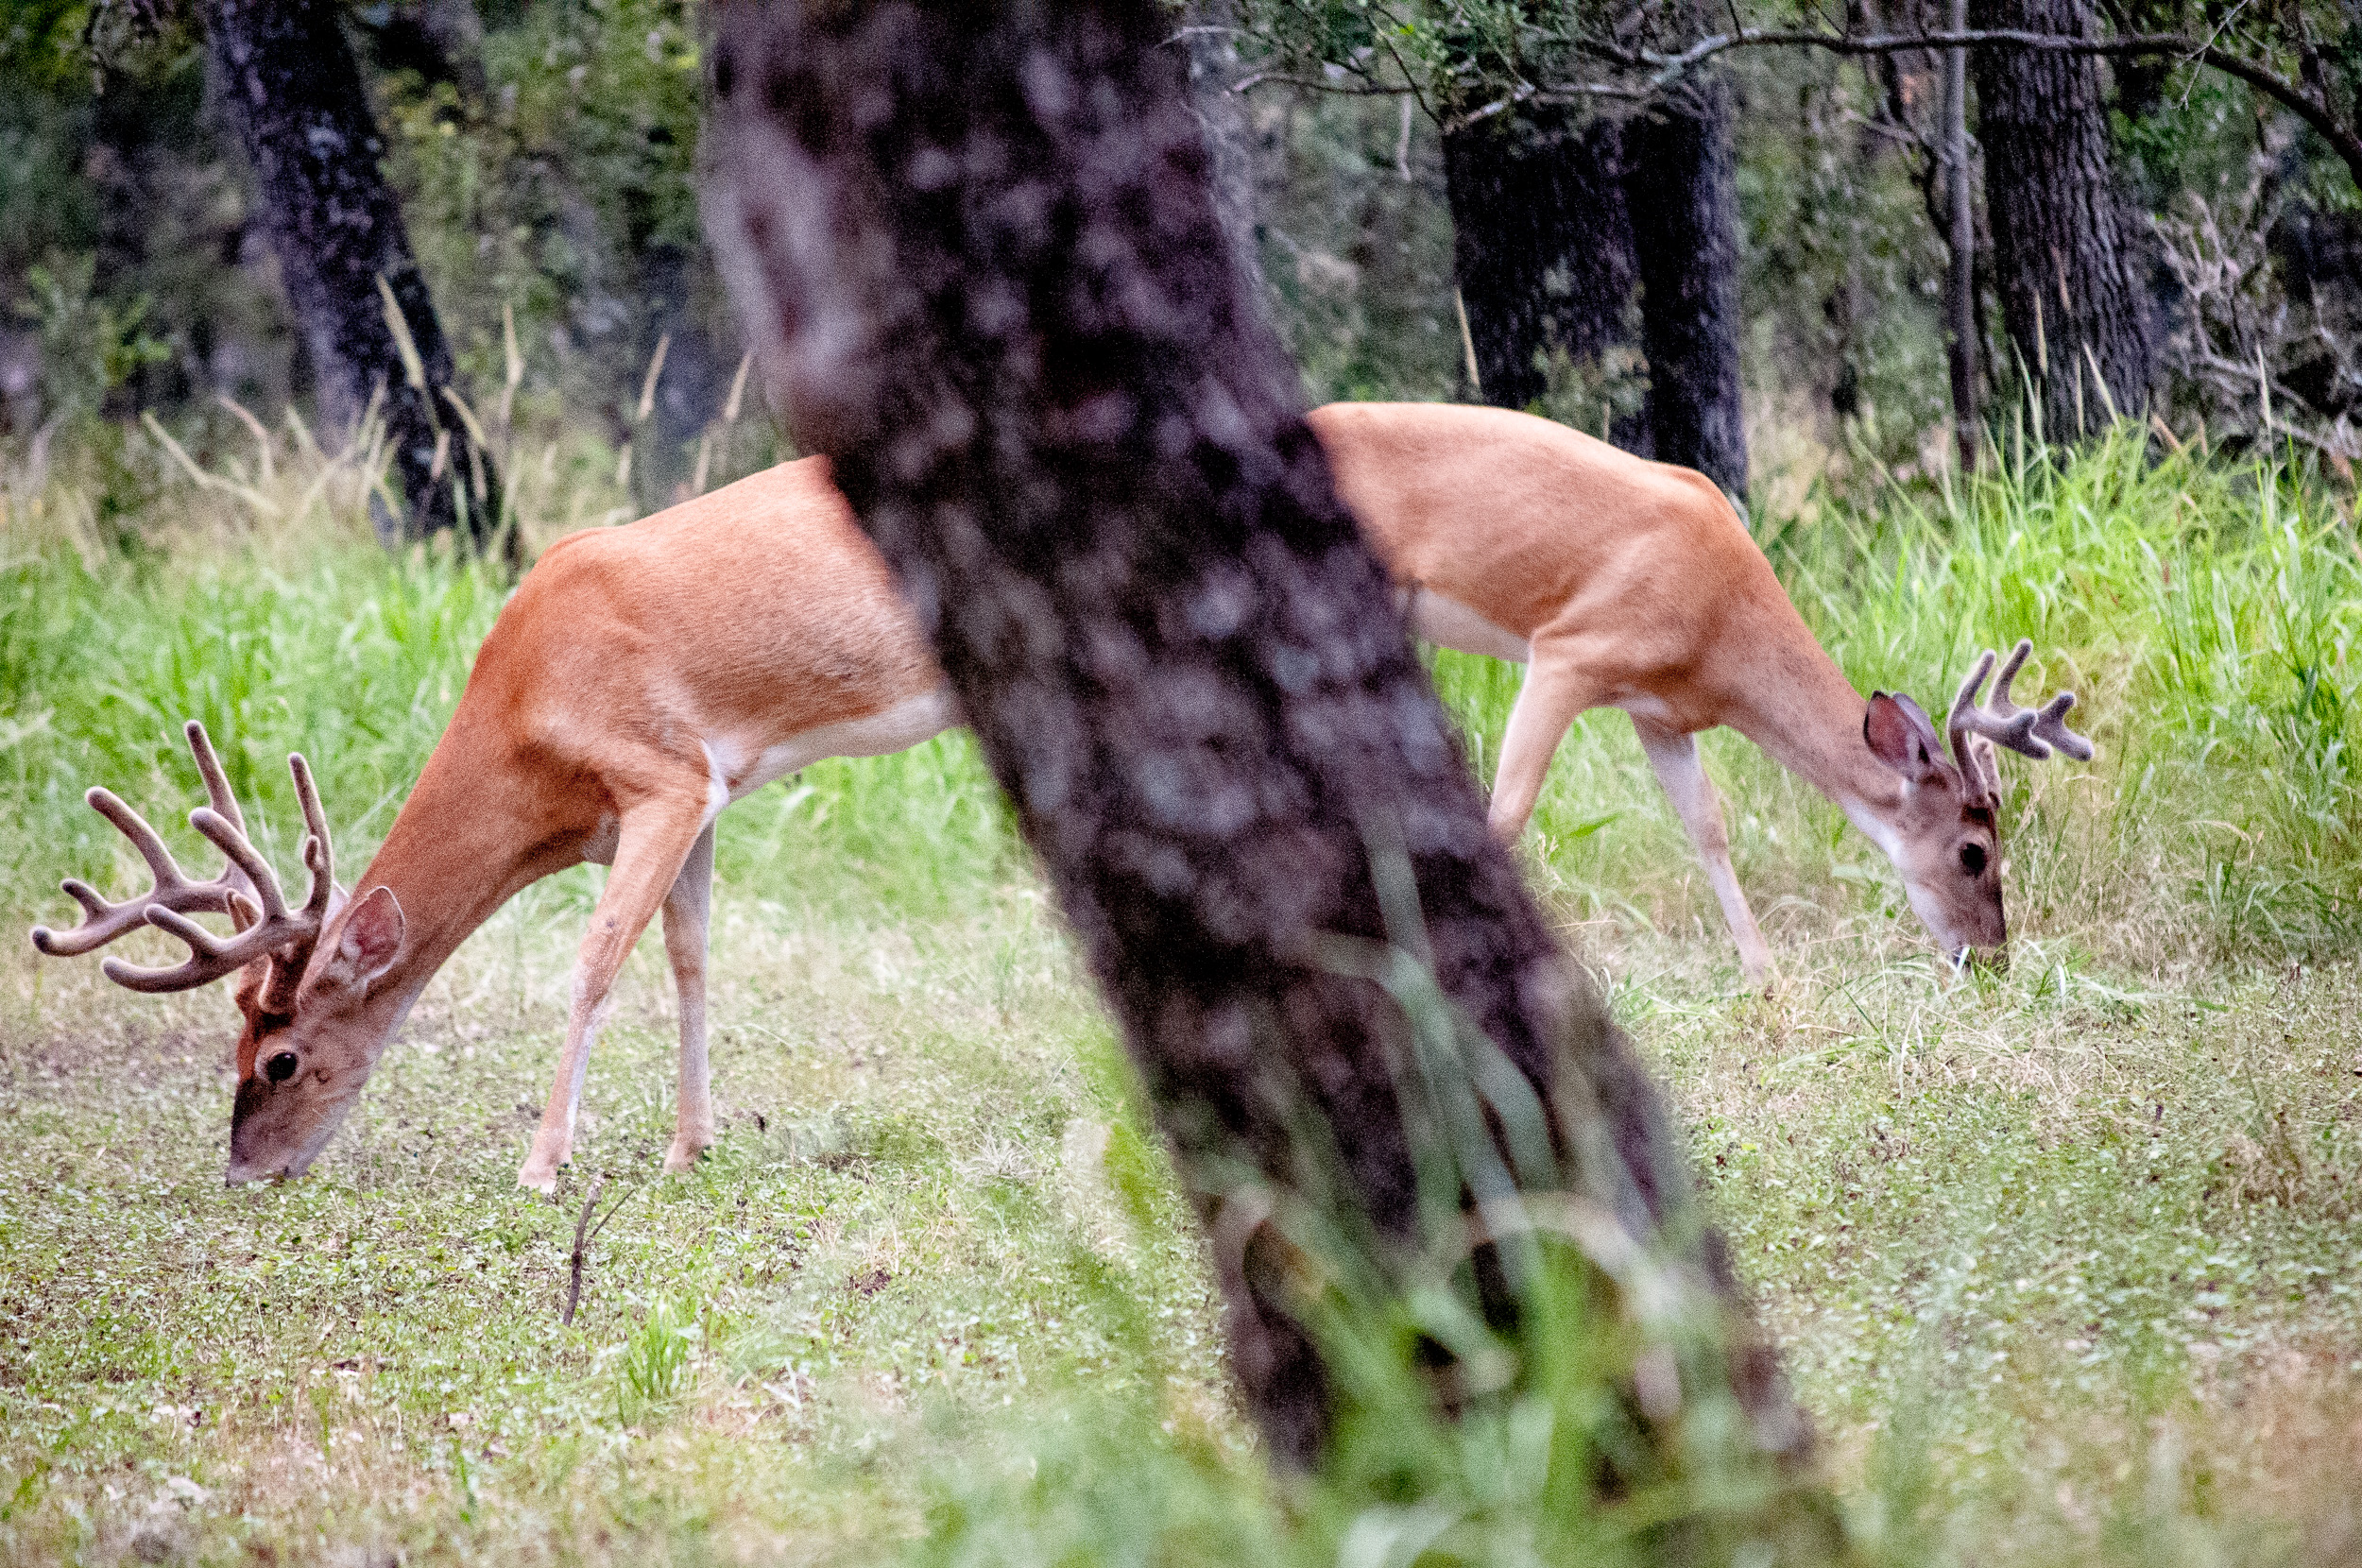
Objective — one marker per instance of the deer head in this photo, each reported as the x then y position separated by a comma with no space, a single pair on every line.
1947,831
305,1050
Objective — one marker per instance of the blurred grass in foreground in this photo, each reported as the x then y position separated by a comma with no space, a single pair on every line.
2063,1261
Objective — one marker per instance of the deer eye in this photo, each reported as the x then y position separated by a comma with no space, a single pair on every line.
1972,858
280,1068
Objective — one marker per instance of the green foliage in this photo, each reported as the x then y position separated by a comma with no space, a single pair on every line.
44,88
549,193
657,1361
588,107
89,347
1573,1400
1358,254
1458,54
554,186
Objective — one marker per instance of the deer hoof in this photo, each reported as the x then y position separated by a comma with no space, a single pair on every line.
681,1156
540,1174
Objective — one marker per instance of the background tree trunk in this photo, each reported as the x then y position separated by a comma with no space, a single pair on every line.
1001,306
692,381
1960,278
1682,191
441,39
295,95
2065,256
1213,55
1542,246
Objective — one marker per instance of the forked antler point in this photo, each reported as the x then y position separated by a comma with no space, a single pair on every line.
2030,732
247,889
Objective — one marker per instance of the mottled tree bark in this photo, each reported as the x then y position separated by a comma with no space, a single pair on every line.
1680,186
1541,248
977,249
292,88
2065,252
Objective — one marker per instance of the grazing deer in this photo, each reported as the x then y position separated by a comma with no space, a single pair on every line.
1629,583
644,678
640,680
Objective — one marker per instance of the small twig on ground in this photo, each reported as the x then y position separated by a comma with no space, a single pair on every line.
585,1234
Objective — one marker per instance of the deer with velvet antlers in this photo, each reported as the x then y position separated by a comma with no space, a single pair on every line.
644,678
1622,583
640,680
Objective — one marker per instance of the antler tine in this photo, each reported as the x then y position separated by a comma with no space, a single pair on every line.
320,854
2010,668
217,791
103,921
2029,731
2050,725
247,887
1964,703
242,854
212,957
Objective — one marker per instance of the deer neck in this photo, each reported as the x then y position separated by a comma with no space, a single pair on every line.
1788,697
457,852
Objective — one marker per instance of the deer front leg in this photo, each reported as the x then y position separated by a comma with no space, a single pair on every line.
688,910
652,845
1682,773
1555,692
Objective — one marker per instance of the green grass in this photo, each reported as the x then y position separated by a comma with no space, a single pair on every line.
2064,1262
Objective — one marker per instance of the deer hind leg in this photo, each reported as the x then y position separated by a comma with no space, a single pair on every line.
1556,691
687,911
1682,773
652,844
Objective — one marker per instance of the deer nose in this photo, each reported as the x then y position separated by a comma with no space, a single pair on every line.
1991,961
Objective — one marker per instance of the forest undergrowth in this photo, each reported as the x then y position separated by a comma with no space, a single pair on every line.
2063,1260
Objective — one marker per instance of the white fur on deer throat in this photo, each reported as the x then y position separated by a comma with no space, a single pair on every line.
1873,827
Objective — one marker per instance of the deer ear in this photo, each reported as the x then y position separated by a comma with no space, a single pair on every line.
371,938
1899,735
248,994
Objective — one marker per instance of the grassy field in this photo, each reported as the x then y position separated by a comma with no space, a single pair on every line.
2063,1261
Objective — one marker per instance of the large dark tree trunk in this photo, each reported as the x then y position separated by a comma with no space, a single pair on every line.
1542,248
295,94
976,247
1681,189
2063,247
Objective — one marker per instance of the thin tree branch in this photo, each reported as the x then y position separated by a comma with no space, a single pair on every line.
582,1228
1666,68
585,1234
1349,90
